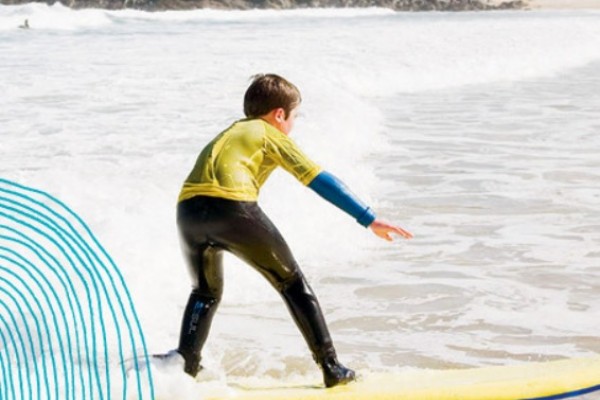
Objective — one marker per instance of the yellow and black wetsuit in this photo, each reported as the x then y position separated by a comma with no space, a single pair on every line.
236,163
218,212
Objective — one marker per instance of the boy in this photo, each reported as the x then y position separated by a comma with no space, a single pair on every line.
218,211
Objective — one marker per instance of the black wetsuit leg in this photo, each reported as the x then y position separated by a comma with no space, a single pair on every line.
205,262
210,225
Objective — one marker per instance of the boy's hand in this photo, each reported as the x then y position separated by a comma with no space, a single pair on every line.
383,230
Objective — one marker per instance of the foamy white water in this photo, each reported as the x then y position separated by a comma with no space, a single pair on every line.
476,131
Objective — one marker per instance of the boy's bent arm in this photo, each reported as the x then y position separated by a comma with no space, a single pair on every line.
336,192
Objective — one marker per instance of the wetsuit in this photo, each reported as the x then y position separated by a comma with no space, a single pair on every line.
218,212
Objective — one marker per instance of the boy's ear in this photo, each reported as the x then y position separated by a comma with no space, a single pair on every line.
279,114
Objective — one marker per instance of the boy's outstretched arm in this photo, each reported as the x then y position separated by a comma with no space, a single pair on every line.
336,192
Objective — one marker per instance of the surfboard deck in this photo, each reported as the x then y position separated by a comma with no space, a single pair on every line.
540,381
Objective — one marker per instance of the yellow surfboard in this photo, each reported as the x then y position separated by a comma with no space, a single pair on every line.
540,381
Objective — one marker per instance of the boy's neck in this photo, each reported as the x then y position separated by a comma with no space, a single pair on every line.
273,123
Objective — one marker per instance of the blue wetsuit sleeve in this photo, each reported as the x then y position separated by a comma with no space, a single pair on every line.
336,192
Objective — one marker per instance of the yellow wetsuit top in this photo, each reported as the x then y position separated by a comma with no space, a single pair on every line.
236,163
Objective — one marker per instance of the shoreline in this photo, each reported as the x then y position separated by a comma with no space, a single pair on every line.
564,4
395,5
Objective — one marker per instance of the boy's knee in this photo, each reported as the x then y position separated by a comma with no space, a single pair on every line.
204,299
296,287
294,280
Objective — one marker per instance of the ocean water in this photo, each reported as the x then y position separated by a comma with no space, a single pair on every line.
478,132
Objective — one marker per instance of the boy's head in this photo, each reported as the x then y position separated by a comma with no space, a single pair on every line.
268,92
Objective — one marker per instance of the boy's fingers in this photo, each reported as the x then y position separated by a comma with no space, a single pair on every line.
403,233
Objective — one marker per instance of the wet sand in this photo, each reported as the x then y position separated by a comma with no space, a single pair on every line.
564,4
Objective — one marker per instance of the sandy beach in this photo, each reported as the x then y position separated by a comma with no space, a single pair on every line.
565,4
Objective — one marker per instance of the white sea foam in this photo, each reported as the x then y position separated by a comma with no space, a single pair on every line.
478,131
55,17
59,17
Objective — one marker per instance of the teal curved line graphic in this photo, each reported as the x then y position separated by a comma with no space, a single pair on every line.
45,334
68,326
25,267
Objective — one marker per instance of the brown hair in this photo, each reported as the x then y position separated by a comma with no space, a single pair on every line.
268,92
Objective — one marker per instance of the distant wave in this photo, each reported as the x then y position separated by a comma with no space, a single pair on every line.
60,17
233,15
55,17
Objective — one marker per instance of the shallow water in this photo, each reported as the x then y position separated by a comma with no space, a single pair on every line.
503,179
478,132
